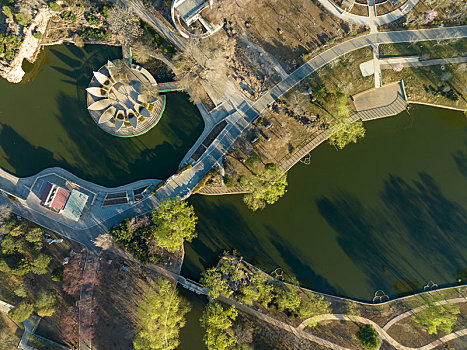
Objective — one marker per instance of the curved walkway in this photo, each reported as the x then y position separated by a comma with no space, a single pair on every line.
369,20
420,308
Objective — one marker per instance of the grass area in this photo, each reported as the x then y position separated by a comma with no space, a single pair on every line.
10,333
341,75
431,84
426,49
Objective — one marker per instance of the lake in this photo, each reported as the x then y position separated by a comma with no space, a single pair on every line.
386,213
44,122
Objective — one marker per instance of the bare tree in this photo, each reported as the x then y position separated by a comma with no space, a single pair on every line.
124,25
121,71
201,70
29,7
141,51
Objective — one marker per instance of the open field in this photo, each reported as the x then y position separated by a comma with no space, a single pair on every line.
442,79
426,50
447,13
10,333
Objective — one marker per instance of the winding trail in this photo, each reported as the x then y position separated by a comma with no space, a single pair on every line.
300,330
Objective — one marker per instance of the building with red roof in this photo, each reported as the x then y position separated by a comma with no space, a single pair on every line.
54,197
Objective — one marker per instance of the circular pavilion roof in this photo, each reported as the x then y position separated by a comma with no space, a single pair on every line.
123,99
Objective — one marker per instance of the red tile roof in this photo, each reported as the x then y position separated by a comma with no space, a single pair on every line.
60,199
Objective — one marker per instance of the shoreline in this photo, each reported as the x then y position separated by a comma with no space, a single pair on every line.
436,105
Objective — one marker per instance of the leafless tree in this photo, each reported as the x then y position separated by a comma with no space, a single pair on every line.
124,25
146,88
200,70
141,51
121,71
29,7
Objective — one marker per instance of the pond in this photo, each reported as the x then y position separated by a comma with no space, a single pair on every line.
386,213
44,122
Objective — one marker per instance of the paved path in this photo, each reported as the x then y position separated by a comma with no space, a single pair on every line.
407,63
373,19
420,308
301,333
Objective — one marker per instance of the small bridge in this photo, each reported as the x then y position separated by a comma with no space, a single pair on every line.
192,285
168,87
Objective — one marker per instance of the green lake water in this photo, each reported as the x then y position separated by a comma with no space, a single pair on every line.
44,123
386,213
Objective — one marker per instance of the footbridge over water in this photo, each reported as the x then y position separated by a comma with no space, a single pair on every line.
192,285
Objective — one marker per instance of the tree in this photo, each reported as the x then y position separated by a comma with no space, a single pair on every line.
266,187
124,25
161,316
21,291
21,312
7,11
218,322
212,279
69,324
344,132
315,306
45,303
141,51
368,337
72,275
22,19
40,264
175,222
200,71
435,317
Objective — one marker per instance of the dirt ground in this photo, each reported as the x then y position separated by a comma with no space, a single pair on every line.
117,298
295,118
341,333
10,333
448,13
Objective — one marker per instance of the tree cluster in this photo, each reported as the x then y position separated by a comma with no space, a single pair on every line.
21,249
344,132
435,317
334,102
45,304
218,321
73,275
9,44
265,187
161,316
173,223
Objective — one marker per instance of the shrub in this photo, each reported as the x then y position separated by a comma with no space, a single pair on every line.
229,181
10,196
105,11
68,16
94,34
37,35
57,274
92,19
22,19
7,11
368,337
169,49
21,312
2,48
54,6
157,40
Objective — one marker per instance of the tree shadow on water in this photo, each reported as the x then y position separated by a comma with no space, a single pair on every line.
415,235
220,232
307,277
